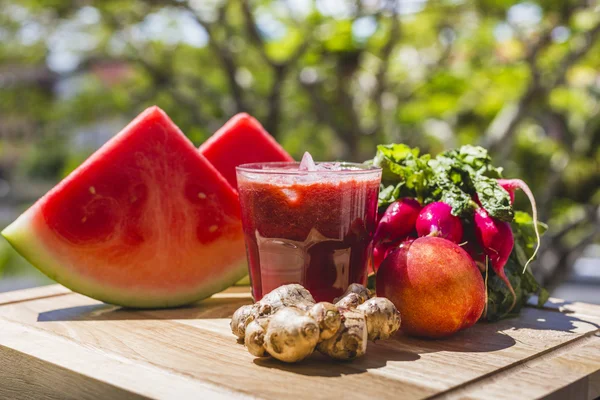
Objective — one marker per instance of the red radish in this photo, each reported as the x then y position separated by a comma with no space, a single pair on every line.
497,240
476,253
510,185
511,193
471,245
397,221
380,250
436,219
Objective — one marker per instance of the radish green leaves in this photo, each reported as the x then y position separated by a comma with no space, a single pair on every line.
454,177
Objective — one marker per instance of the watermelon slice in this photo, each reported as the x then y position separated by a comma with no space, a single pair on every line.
146,221
241,140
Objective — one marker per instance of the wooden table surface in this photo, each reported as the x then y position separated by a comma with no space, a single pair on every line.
58,344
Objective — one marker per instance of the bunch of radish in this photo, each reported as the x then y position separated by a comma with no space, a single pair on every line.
444,250
406,219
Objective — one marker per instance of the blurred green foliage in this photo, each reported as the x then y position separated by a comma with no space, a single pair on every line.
335,78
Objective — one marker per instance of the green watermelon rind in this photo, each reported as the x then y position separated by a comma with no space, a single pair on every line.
23,239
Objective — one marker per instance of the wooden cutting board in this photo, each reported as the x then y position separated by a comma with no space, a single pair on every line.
59,345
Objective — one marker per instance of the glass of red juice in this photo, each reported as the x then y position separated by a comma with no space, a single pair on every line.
309,227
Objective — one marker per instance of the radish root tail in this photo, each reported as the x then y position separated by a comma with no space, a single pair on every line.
518,183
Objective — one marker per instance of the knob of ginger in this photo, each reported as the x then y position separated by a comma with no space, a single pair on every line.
289,325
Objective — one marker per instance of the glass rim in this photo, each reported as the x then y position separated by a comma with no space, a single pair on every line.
277,168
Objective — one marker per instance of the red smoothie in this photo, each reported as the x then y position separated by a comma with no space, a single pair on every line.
309,227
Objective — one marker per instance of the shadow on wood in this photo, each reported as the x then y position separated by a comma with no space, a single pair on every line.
319,365
488,339
209,308
400,349
556,315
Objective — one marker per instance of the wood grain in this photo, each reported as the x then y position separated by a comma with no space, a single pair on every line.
104,351
34,293
49,381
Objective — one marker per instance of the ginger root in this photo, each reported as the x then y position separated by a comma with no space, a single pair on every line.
383,319
291,335
240,320
328,317
350,341
289,325
362,292
254,337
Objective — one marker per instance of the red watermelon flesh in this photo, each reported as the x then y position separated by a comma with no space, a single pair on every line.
241,140
146,221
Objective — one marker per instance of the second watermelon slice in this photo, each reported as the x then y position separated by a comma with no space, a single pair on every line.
241,140
146,221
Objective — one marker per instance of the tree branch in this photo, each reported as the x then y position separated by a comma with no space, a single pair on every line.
226,58
381,75
506,121
589,38
221,51
253,32
320,106
274,100
163,78
508,118
500,131
279,69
